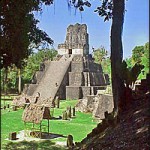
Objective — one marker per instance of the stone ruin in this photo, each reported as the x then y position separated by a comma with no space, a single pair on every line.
96,104
77,41
73,74
85,78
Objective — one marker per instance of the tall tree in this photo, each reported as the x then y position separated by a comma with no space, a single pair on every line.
146,58
114,9
117,50
137,54
19,29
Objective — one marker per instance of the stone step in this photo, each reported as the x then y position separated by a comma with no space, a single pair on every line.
54,74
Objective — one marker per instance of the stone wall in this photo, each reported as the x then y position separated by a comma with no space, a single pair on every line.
76,78
73,92
77,40
96,104
103,103
76,66
97,79
85,78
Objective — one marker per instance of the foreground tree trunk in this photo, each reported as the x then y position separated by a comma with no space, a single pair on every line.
19,81
117,50
5,81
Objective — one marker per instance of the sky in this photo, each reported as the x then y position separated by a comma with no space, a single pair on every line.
56,18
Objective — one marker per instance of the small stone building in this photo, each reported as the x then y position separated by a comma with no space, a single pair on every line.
77,40
34,114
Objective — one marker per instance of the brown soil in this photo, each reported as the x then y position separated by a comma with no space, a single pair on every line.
131,133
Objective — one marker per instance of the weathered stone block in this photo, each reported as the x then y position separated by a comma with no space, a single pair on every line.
73,111
14,108
86,91
64,116
76,78
76,66
104,103
12,136
73,92
97,79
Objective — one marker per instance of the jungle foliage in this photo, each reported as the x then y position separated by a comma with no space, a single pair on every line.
140,56
102,57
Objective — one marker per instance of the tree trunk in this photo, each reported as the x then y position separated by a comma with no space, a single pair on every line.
6,83
3,88
19,81
117,50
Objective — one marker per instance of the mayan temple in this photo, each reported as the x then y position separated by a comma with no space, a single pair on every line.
73,73
77,41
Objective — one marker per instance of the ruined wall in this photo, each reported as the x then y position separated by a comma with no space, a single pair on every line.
85,78
77,40
96,104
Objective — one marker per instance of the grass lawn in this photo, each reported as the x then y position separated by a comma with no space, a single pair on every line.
79,126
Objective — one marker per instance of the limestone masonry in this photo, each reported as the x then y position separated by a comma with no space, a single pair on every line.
73,73
77,40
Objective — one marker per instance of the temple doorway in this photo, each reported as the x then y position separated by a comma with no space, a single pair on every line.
70,51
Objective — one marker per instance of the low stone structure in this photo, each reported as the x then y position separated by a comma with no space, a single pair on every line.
96,104
35,113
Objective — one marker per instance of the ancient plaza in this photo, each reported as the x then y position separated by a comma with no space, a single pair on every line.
72,75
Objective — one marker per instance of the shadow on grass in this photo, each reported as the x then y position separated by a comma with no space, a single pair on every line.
24,145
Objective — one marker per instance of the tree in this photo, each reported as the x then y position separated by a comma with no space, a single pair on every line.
129,62
100,54
137,54
101,57
19,29
114,9
130,74
145,60
32,64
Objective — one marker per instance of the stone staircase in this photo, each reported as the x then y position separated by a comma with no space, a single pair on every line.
52,79
66,77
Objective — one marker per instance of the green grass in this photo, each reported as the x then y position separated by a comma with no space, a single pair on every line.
79,126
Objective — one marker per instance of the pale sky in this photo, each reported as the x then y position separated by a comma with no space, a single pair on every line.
56,18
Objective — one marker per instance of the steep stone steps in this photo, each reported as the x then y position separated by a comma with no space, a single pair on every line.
52,79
